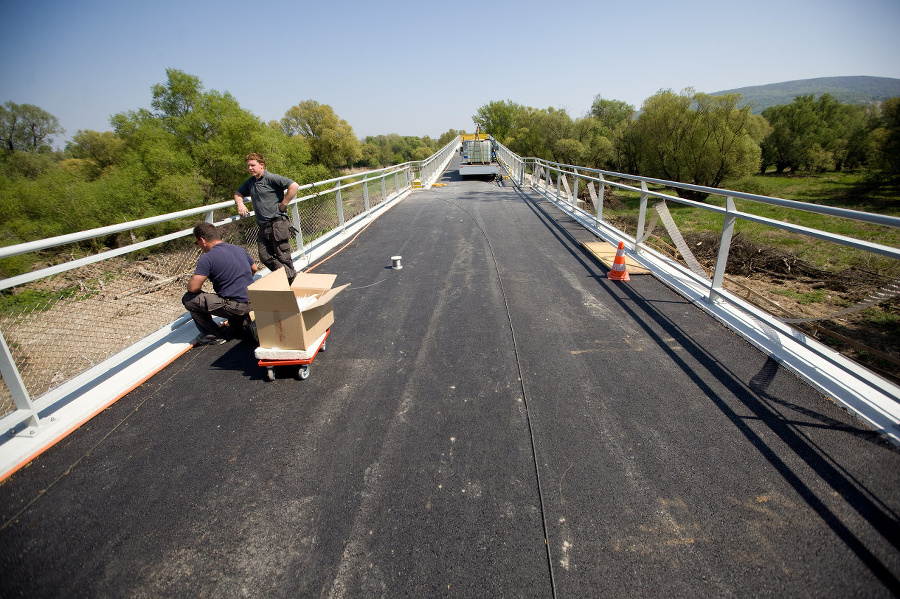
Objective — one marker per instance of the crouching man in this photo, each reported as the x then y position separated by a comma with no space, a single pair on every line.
231,270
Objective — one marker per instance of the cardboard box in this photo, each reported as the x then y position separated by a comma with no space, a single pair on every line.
295,316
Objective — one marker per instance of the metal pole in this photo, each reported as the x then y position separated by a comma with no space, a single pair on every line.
724,247
642,215
365,185
600,198
340,209
295,218
16,386
575,191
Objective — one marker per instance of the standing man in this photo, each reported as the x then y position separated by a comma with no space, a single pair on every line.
267,190
231,269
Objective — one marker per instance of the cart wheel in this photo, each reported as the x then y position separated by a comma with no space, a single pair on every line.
270,374
324,343
303,373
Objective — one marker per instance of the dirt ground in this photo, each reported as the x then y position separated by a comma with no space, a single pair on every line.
786,287
90,314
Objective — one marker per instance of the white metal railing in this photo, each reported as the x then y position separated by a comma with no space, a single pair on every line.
876,400
78,313
554,176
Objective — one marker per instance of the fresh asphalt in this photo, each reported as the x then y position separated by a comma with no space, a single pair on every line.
495,419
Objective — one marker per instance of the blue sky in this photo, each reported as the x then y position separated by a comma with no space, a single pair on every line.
421,67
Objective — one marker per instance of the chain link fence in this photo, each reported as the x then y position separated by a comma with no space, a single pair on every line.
94,302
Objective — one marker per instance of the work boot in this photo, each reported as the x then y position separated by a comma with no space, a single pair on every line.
208,340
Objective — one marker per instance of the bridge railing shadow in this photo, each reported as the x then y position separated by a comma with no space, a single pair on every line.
760,406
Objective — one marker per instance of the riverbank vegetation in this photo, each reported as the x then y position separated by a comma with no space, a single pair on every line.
187,149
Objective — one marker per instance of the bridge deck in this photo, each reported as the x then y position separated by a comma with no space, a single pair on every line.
495,391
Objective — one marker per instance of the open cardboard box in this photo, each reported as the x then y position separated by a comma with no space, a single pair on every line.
282,322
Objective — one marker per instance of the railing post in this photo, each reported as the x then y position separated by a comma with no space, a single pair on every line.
558,177
575,190
383,188
600,197
295,218
16,387
209,217
642,215
340,209
397,181
724,247
365,186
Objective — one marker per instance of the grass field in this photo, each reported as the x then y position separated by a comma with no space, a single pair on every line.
851,190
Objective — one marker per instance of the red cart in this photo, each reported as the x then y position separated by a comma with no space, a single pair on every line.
303,362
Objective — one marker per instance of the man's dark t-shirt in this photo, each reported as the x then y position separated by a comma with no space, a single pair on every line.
229,268
266,193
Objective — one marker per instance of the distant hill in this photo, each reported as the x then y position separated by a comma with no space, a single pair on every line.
850,90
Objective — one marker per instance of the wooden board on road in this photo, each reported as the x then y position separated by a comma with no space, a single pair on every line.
606,253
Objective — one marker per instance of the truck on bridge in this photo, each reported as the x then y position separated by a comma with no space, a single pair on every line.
477,154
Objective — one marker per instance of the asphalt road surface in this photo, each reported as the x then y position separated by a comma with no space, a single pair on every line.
495,419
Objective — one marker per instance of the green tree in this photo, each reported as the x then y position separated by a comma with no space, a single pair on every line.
616,145
816,135
541,133
888,137
184,151
369,152
331,139
177,98
497,118
448,136
791,136
843,133
27,127
551,134
421,153
697,138
99,150
597,147
568,151
385,150
190,150
612,114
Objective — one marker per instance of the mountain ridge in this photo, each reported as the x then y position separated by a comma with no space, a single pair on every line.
858,89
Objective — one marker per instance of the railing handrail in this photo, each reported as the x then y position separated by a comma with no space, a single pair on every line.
50,242
867,217
60,240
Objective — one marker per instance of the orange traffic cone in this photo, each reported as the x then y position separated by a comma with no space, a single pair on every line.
618,272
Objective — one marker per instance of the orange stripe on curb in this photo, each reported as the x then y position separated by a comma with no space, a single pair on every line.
68,431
